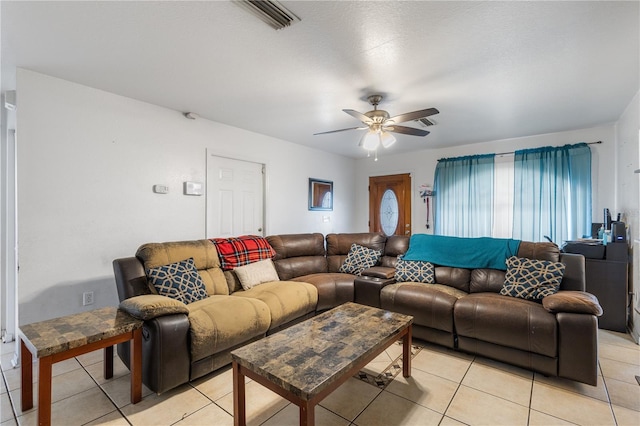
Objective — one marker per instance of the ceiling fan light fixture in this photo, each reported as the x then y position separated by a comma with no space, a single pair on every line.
370,140
387,139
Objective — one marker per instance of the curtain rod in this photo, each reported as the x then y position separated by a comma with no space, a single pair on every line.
513,152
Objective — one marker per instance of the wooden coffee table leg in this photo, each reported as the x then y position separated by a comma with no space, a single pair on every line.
406,353
26,367
44,390
307,414
108,362
239,413
135,360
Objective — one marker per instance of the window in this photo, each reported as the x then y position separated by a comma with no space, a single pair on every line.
552,193
502,226
528,195
464,196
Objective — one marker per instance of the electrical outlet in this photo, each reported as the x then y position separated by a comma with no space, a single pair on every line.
87,298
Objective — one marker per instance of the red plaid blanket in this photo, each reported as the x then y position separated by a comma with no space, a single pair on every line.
238,251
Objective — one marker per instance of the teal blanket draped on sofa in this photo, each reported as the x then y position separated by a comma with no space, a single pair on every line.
470,253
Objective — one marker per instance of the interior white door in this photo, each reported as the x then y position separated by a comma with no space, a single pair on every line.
235,197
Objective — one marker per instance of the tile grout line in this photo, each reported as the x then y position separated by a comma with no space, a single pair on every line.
606,389
456,391
6,386
353,422
533,378
104,392
214,402
276,413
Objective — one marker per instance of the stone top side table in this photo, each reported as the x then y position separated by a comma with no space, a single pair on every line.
62,338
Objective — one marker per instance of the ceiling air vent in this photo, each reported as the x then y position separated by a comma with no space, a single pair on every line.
425,122
271,12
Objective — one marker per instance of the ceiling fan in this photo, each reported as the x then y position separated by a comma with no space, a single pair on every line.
379,124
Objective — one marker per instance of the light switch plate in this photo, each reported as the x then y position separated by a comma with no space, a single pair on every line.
193,188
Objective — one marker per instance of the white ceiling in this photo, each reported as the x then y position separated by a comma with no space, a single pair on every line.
495,70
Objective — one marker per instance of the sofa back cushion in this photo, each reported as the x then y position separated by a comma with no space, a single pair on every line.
393,247
492,280
486,280
298,254
454,277
204,255
541,251
338,246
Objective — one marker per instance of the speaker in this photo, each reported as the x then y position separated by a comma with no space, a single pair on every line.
618,232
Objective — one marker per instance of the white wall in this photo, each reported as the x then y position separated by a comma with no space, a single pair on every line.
422,165
87,161
628,191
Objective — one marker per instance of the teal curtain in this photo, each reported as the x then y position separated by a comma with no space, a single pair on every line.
552,193
463,189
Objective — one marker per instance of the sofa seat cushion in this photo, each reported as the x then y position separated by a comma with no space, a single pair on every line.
334,288
430,304
287,300
221,322
507,321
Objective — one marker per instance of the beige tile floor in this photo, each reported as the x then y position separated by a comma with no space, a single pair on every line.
446,388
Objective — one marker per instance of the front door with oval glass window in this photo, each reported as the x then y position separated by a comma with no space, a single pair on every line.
390,204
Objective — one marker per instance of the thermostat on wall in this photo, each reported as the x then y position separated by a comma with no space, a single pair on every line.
193,188
160,189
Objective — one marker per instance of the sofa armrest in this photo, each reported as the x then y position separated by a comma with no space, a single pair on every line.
367,289
166,354
578,347
151,306
383,272
577,302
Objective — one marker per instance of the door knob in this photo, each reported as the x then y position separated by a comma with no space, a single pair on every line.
259,229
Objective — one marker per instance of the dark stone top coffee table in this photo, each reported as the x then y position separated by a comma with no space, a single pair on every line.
306,362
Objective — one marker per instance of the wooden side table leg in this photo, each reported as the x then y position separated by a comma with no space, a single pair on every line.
406,353
307,414
108,362
44,391
239,412
26,373
135,353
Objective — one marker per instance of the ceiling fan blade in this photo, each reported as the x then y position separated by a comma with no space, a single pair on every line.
407,130
360,116
409,116
341,130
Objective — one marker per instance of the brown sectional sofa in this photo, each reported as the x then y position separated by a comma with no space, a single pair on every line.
462,311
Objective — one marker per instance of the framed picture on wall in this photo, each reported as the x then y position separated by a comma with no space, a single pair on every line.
320,194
